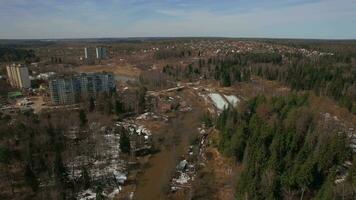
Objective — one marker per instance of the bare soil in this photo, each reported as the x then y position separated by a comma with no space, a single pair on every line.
177,134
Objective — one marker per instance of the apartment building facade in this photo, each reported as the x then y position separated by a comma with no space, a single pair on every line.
91,53
74,88
100,53
18,76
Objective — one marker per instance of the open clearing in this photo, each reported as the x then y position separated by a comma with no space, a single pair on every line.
122,70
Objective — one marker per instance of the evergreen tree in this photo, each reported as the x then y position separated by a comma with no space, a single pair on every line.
60,170
31,179
125,145
91,104
119,108
83,118
5,155
281,151
108,107
141,101
86,178
99,192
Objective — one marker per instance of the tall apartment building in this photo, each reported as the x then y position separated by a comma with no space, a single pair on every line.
91,53
72,89
18,76
100,53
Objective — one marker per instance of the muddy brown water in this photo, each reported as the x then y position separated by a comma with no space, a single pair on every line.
178,134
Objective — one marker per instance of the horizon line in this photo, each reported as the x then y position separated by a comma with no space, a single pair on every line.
173,37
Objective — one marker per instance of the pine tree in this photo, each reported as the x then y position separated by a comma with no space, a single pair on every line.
60,170
118,108
91,104
86,178
82,118
99,193
31,179
141,101
125,146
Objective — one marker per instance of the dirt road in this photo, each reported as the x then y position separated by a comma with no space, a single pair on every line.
178,133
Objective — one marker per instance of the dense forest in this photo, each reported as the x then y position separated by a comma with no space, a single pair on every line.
332,76
286,150
172,53
15,54
227,70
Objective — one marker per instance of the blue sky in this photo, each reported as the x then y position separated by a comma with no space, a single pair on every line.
46,19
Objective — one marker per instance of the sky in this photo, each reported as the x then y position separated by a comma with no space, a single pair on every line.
51,19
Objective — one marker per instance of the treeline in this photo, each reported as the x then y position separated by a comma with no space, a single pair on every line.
172,53
325,76
332,75
227,70
116,103
32,149
13,54
343,49
286,151
155,80
236,68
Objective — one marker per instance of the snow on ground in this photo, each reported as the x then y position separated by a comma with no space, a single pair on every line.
90,195
151,115
218,101
87,195
102,163
232,99
203,96
183,178
142,130
114,193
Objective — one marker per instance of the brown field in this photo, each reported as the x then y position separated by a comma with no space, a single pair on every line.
123,70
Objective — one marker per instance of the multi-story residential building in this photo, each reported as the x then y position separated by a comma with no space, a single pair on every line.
91,53
100,53
72,89
18,76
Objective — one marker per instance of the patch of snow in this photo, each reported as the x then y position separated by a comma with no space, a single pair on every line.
131,195
218,101
144,116
142,130
232,99
114,193
87,195
183,178
120,177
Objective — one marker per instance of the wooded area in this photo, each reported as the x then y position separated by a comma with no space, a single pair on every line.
286,150
16,54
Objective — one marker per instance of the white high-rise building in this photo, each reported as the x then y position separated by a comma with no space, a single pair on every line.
18,76
91,53
100,53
